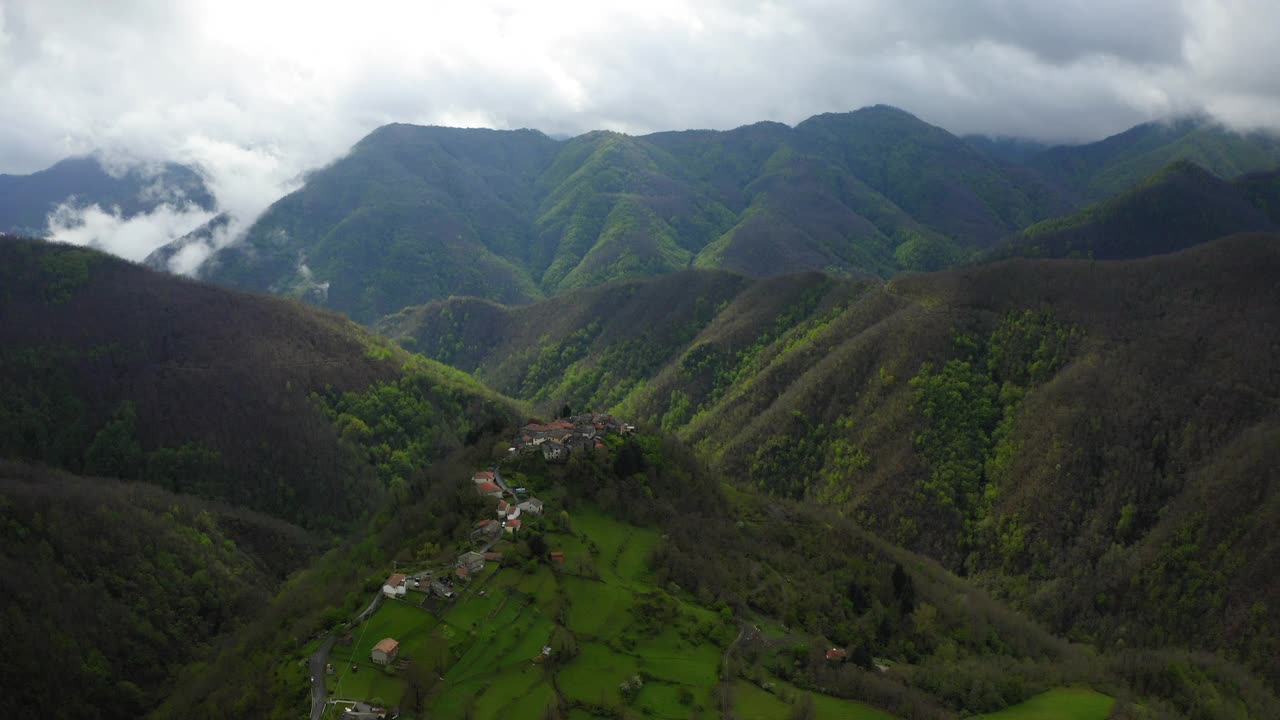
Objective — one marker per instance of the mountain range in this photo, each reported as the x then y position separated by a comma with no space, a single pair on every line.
27,201
1038,384
413,213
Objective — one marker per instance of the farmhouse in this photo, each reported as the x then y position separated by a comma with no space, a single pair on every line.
394,587
553,450
483,476
463,572
489,488
472,561
385,652
512,526
486,529
533,506
557,558
837,654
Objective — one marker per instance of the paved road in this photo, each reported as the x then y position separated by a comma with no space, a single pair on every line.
320,658
319,694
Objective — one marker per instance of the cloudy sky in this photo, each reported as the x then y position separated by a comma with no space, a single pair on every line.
256,92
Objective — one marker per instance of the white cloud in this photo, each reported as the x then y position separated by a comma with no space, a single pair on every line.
258,92
132,238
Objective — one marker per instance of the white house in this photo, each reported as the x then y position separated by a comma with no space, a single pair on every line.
533,506
395,586
385,652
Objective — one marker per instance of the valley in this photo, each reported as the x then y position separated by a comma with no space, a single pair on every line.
854,418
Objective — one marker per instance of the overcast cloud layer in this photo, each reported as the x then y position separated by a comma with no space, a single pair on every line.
257,92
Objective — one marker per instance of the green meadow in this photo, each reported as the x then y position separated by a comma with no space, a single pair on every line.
1059,704
620,643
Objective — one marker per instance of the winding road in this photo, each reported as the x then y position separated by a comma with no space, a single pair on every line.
320,658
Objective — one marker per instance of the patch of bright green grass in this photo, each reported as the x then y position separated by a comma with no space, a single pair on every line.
594,675
597,609
662,700
1059,704
624,549
670,657
753,703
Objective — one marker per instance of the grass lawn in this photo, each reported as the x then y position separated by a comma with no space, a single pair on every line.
597,609
662,700
370,682
594,675
624,549
669,657
1059,704
752,703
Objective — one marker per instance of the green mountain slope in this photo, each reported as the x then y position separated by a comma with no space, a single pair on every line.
1062,431
411,212
111,369
1181,206
27,200
415,214
937,177
220,403
1098,170
110,587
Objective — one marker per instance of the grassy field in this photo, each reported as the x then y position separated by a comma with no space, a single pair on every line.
1059,704
623,625
753,703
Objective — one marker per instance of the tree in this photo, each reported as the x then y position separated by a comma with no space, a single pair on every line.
537,545
115,451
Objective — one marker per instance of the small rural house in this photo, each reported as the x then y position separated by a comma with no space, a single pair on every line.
483,476
395,586
837,654
557,558
385,652
553,450
489,488
503,507
462,572
486,529
471,560
533,506
512,526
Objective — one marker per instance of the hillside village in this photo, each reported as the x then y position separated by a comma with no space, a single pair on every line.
556,440
434,589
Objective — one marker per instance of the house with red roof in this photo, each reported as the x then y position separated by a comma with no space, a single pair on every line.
489,488
385,652
837,654
483,477
395,586
512,526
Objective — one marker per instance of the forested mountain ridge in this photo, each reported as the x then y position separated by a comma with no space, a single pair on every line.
111,587
260,430
418,213
26,201
1181,206
1019,420
414,214
1095,171
112,369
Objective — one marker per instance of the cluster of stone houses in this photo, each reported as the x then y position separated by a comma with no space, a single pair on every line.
487,483
556,440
